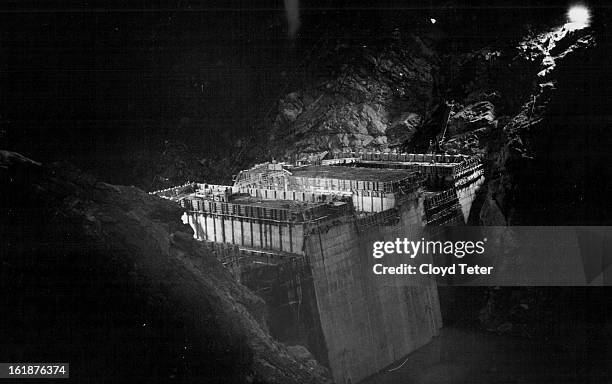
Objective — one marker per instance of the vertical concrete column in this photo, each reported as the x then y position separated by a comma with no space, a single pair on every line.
222,222
242,231
214,221
210,222
264,230
195,222
290,238
205,219
280,236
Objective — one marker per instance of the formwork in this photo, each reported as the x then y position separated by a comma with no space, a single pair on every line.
438,170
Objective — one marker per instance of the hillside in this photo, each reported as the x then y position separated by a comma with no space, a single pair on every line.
109,279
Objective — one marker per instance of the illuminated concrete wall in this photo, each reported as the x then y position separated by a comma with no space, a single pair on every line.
467,194
372,201
247,232
452,206
369,322
307,196
363,200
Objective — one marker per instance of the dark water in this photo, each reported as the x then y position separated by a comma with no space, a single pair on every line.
462,356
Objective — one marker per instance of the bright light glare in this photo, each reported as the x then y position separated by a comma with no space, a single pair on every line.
579,15
433,21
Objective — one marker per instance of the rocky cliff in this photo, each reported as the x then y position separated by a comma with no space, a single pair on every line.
543,158
109,279
377,96
527,101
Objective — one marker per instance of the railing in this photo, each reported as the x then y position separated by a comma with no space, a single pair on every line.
402,157
440,199
390,216
290,214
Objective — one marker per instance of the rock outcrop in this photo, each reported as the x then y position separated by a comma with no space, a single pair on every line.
377,99
108,278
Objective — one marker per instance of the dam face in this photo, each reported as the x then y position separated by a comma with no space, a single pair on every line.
368,322
301,237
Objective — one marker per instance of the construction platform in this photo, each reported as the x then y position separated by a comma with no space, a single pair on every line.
270,201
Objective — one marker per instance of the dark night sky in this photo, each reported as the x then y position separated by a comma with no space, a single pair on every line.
122,69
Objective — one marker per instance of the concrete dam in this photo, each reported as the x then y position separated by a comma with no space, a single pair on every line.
300,235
